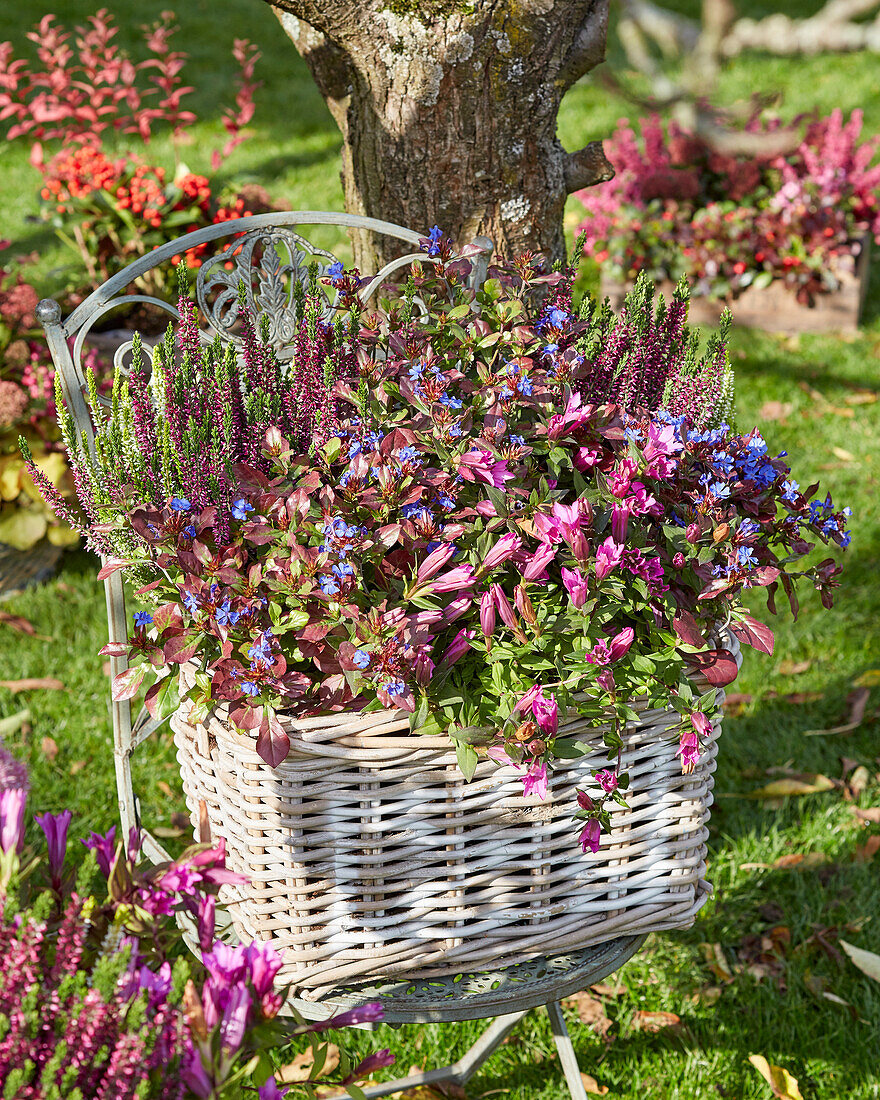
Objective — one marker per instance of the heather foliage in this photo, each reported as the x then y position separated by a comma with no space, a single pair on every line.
677,208
97,1002
522,510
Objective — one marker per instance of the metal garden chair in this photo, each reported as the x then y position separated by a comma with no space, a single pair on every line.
269,256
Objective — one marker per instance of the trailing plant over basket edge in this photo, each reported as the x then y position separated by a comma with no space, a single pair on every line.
491,516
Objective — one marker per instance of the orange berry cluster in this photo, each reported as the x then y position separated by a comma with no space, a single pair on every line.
144,194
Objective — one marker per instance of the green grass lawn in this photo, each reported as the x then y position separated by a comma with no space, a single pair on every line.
816,397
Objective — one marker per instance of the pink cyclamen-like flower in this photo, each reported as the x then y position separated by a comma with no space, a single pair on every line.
460,577
434,562
502,551
546,712
607,780
525,701
480,465
459,645
535,780
689,742
608,555
577,586
590,835
536,567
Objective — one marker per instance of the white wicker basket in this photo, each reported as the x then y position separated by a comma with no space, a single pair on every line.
369,855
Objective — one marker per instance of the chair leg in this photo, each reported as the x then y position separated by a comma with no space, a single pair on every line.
459,1071
567,1056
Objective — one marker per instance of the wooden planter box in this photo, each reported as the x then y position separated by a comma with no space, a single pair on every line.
774,308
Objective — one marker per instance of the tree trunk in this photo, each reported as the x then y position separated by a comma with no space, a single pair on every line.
448,112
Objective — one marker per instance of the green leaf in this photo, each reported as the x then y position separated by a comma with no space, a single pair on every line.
467,758
163,698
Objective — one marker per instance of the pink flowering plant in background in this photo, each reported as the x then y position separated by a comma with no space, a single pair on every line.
677,208
106,202
97,999
491,510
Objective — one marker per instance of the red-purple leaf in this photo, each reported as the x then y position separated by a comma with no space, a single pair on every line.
181,648
273,744
112,566
685,626
753,633
115,649
127,684
717,665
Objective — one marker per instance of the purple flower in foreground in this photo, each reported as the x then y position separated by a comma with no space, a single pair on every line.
590,835
271,1091
12,803
364,1014
361,658
104,848
607,780
55,827
371,1062
535,780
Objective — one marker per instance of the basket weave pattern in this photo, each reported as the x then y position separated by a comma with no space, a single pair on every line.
368,854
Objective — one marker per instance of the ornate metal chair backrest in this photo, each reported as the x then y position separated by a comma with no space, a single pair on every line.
254,257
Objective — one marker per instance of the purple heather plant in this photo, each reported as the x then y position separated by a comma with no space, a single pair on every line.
96,999
517,511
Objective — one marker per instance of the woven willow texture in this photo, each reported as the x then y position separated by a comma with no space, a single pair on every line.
368,854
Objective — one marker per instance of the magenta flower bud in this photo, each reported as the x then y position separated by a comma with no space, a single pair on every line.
205,920
584,801
689,749
195,1078
546,712
590,835
487,614
525,702
678,561
607,557
502,551
460,577
620,643
576,585
235,1017
456,608
620,514
423,669
372,1062
364,1014
104,848
12,803
264,962
524,605
271,1091
459,645
606,680
693,532
434,562
505,608
537,564
55,827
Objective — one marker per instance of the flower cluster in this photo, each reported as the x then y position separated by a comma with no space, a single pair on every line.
676,207
522,511
96,999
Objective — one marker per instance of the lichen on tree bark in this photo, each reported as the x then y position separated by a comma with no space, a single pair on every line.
448,111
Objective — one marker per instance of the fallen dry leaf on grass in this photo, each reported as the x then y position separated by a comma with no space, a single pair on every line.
708,995
49,748
775,410
784,1086
603,990
77,766
784,863
300,1069
32,684
591,1012
861,397
655,1021
24,626
868,679
14,722
843,454
786,788
868,850
717,962
793,668
871,814
857,701
592,1086
866,961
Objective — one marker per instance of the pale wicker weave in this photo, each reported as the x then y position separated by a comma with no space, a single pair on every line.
368,854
